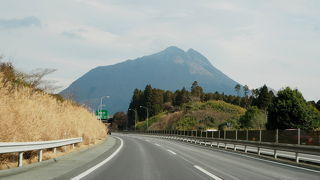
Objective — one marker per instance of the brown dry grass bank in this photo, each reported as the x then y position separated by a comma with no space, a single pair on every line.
29,115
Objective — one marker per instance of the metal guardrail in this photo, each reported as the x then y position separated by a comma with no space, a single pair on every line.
21,147
275,149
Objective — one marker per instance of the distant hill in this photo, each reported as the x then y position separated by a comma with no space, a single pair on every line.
170,69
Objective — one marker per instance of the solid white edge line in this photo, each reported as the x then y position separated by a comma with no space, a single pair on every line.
157,144
85,173
207,172
171,152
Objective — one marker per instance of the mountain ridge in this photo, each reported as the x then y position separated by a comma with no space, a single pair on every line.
169,69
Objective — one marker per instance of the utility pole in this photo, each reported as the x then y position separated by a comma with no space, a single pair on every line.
147,115
135,118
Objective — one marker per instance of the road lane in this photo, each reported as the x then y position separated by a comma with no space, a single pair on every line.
147,157
140,159
229,165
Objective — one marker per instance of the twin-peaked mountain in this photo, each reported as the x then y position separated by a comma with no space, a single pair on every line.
170,69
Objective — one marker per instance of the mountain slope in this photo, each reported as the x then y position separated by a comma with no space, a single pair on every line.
170,69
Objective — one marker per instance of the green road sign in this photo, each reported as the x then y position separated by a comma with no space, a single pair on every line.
102,114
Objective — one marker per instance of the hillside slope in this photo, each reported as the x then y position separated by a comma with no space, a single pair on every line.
197,116
169,69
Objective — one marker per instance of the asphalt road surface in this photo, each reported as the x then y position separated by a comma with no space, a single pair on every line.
149,158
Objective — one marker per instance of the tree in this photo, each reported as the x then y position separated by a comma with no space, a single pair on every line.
135,103
237,88
254,118
120,121
264,98
290,110
246,91
168,97
156,102
181,97
197,91
318,105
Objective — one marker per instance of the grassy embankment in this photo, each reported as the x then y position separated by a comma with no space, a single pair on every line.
197,115
27,114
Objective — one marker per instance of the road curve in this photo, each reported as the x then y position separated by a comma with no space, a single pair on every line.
144,157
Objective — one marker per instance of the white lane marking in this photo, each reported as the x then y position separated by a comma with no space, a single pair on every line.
247,156
171,152
207,172
157,144
85,173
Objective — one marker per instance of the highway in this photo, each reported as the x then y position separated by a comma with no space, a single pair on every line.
144,157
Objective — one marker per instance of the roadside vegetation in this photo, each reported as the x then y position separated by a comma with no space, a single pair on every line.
260,108
28,113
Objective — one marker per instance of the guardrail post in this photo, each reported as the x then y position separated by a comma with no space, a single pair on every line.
212,134
236,134
40,155
247,135
72,146
224,134
219,134
259,151
297,157
20,162
200,133
260,135
275,154
277,136
299,133
206,134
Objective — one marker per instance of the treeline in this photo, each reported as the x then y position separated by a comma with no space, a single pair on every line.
287,109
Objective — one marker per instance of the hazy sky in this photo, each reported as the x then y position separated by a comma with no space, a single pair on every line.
255,42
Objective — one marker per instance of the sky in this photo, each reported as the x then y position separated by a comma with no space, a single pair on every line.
255,42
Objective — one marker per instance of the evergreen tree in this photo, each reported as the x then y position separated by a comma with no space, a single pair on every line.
135,103
237,88
168,97
264,98
318,105
197,91
147,96
181,97
156,102
246,93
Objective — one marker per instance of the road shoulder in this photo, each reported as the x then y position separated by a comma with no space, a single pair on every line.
64,167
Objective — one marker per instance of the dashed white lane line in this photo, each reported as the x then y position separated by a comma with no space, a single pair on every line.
171,152
157,144
80,176
207,172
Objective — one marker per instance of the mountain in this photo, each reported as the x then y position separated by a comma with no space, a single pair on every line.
170,69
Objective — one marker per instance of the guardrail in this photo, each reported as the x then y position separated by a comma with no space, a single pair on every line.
22,147
298,152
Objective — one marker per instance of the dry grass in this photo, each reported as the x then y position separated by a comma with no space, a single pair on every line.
166,121
28,115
